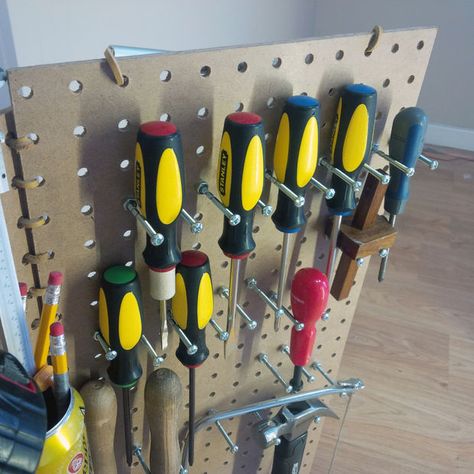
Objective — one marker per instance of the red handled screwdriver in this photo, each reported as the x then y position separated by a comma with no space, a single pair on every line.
192,307
309,298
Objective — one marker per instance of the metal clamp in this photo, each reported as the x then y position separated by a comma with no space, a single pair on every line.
404,169
203,188
298,200
382,177
356,184
223,292
279,312
221,334
263,358
190,347
196,227
266,209
433,164
157,360
329,193
131,206
110,354
137,451
309,377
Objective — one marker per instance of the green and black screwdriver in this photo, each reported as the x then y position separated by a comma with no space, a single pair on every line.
192,307
120,323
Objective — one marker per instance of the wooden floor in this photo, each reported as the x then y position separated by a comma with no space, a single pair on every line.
412,340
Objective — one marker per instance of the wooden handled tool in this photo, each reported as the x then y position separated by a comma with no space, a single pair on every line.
101,415
163,406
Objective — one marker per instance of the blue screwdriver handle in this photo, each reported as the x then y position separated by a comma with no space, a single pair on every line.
405,146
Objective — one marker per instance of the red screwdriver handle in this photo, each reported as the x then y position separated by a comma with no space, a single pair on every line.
309,298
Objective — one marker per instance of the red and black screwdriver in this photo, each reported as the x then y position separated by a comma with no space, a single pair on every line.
192,307
309,298
159,191
240,177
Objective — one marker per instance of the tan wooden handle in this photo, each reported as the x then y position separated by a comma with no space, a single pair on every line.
163,405
101,416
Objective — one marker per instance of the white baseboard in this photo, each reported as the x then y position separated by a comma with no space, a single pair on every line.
445,135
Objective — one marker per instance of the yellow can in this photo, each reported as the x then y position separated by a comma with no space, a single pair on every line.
66,450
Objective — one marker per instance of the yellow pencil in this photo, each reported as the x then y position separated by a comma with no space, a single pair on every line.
61,385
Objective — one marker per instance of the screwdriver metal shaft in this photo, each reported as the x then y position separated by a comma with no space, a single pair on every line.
232,301
384,261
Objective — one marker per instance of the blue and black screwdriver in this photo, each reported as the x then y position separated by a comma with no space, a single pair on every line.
405,146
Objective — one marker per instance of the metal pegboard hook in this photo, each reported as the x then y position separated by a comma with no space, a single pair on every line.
377,31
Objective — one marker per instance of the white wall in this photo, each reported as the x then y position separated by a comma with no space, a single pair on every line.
47,31
447,93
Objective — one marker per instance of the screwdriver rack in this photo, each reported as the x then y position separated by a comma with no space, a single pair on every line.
83,129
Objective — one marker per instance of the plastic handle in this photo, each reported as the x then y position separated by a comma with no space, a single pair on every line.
405,145
288,455
159,188
193,304
240,177
295,158
120,322
351,142
309,298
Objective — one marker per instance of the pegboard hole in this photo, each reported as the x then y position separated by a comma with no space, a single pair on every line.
25,92
123,125
276,62
216,355
258,373
279,364
348,302
395,48
233,402
309,58
126,81
267,316
196,246
333,354
308,214
278,247
338,338
264,336
124,165
239,106
323,328
134,410
420,45
304,93
225,264
127,234
256,229
319,347
330,370
89,244
299,263
165,117
214,375
236,384
129,263
386,83
331,91
303,240
165,76
343,320
411,79
324,124
286,327
220,312
198,216
378,116
35,323
240,346
252,255
86,210
238,365
203,113
33,137
79,131
200,150
212,394
75,86
268,137
242,67
271,102
339,54
81,172
205,71
91,275
207,444
94,303
98,355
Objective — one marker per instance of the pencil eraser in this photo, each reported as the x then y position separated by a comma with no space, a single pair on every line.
56,329
55,278
23,288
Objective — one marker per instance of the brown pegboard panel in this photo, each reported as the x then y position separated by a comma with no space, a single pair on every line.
85,127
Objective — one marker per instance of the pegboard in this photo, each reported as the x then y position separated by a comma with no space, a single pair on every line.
84,128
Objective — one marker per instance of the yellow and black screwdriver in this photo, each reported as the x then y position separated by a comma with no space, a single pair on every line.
294,161
240,177
120,323
159,191
351,147
192,307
